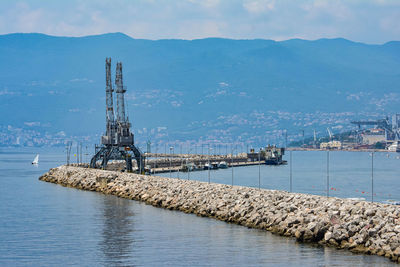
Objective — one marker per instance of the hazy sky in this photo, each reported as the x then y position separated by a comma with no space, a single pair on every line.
370,21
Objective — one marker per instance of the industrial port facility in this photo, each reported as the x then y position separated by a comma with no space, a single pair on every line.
117,144
381,134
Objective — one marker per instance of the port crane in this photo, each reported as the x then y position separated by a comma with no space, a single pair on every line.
330,134
118,141
315,139
392,131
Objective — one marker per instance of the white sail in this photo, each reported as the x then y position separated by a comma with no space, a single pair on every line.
36,159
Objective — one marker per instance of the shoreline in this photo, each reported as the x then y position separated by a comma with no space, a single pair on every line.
359,226
344,150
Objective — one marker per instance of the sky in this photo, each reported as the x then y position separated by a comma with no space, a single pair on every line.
368,21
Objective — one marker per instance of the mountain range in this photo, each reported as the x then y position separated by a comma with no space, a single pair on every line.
212,90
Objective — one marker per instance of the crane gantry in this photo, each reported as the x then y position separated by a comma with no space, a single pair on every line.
118,141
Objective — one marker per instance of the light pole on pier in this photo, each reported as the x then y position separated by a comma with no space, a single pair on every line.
372,176
285,138
290,170
68,149
232,163
171,149
156,158
327,173
259,169
209,164
77,153
182,166
140,163
86,154
187,166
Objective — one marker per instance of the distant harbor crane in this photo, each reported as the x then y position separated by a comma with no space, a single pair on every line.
330,134
315,139
391,129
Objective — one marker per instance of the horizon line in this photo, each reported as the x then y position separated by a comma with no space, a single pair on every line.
194,39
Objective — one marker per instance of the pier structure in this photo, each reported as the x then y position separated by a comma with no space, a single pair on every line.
163,162
118,141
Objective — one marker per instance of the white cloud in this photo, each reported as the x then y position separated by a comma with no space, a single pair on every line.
206,3
258,6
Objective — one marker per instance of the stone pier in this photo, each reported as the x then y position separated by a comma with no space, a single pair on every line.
359,226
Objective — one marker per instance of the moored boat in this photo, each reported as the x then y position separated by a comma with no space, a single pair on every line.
223,165
207,166
395,147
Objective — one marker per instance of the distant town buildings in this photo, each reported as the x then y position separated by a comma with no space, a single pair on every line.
331,145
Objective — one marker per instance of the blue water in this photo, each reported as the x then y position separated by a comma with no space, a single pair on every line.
43,224
350,175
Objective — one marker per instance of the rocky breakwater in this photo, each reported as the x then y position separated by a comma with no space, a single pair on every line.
359,226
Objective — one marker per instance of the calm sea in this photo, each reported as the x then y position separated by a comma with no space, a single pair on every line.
349,175
43,224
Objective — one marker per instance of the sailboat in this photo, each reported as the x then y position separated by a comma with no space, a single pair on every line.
36,160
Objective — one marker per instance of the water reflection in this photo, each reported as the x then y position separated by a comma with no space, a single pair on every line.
118,226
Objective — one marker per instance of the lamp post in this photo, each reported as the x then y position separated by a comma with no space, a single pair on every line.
171,149
187,166
209,163
232,163
155,161
327,173
86,154
290,170
372,176
77,153
140,163
259,169
178,170
182,166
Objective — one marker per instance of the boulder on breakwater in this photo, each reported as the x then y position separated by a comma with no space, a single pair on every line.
359,226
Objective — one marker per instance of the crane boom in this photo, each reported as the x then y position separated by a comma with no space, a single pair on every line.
329,132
